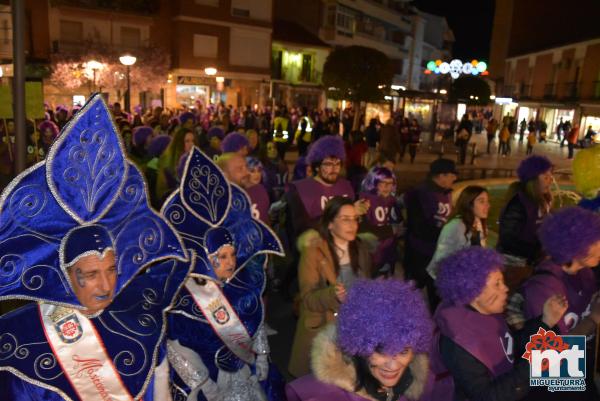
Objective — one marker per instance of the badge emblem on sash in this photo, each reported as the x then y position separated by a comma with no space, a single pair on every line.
219,312
68,329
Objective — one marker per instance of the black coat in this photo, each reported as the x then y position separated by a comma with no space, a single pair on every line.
472,379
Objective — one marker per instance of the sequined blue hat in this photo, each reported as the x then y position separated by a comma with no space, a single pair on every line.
85,190
204,201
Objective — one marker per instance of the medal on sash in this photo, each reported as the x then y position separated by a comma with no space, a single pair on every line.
81,355
222,317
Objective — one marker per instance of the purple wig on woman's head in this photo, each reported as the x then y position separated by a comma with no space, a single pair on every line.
185,117
384,316
462,276
327,146
141,135
532,167
215,132
568,233
49,125
158,145
374,177
234,142
253,162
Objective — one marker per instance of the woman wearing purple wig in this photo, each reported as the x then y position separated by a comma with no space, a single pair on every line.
528,202
257,192
475,344
383,217
377,350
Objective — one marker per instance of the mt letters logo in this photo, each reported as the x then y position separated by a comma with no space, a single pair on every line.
556,362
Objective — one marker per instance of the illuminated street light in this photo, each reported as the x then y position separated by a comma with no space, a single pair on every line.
443,91
220,80
94,66
128,60
210,71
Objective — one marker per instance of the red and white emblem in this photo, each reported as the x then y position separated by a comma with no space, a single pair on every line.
221,315
69,329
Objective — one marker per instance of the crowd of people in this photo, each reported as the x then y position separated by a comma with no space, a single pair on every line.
143,244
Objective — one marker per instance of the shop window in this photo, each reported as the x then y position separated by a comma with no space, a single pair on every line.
71,31
206,46
131,37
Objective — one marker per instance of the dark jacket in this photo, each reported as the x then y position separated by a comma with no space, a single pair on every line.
472,379
518,229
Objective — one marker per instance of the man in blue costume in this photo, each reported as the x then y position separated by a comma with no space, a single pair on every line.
218,346
78,237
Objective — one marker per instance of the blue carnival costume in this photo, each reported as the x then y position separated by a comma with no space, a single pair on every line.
85,199
219,348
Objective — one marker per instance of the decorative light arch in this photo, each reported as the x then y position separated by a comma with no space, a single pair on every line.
456,67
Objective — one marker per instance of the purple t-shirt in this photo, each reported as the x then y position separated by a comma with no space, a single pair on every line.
260,202
314,195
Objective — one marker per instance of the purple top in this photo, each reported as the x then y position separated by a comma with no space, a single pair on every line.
382,211
314,195
309,388
486,337
260,202
549,279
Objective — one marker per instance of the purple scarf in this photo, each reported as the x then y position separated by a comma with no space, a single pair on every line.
548,279
485,337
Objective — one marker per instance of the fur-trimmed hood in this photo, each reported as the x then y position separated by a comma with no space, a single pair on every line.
329,365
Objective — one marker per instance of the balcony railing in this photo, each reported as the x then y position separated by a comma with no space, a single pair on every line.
508,91
549,91
570,90
145,7
525,91
596,93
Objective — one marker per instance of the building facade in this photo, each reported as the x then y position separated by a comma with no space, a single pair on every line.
553,84
232,36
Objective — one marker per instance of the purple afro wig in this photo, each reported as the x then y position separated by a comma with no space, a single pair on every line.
383,316
158,145
141,135
215,132
49,125
253,162
531,167
462,276
374,177
233,142
569,233
185,117
327,146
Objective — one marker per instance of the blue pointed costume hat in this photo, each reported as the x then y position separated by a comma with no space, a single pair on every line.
85,198
209,212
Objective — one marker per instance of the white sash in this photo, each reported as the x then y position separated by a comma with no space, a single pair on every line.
81,355
222,318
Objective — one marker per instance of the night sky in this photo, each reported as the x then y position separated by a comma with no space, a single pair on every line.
470,20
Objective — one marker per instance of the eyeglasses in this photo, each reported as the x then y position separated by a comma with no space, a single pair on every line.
331,164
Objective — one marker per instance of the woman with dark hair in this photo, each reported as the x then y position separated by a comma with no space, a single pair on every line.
383,217
328,267
256,190
377,350
475,344
466,227
529,202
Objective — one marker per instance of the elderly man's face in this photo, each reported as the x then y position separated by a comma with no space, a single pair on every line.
94,280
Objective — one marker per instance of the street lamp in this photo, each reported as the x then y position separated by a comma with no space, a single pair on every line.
128,60
210,71
94,66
